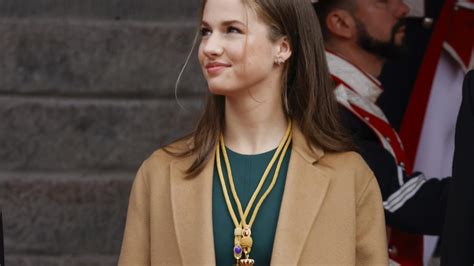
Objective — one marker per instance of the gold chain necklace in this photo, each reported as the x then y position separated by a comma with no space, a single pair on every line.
242,233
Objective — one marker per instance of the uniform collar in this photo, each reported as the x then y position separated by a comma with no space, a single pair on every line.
360,81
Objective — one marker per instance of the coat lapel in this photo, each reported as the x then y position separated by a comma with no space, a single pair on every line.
305,189
191,200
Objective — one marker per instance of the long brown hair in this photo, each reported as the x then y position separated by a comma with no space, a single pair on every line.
307,86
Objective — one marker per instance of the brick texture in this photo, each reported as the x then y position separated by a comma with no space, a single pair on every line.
87,92
97,58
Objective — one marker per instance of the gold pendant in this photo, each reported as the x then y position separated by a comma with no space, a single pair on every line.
247,261
246,243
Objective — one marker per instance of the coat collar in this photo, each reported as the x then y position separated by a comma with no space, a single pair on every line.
305,190
191,199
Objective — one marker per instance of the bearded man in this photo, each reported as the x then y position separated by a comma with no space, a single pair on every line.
360,35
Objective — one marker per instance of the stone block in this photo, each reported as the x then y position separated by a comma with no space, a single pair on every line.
104,9
64,213
41,133
97,58
86,260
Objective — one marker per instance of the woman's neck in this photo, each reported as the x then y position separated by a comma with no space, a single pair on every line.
253,127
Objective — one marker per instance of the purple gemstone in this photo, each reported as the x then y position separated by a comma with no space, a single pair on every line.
237,250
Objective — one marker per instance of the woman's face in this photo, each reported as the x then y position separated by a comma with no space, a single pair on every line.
235,52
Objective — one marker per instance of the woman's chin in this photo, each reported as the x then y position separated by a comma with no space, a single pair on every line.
218,90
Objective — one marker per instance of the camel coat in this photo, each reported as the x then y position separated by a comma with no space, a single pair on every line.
331,212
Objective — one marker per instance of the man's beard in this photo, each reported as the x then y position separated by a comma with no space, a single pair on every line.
384,49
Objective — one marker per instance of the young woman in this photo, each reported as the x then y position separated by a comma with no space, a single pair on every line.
267,176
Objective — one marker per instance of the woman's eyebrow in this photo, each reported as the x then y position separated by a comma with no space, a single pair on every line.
224,23
230,22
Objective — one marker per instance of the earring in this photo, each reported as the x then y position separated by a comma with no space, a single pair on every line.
279,61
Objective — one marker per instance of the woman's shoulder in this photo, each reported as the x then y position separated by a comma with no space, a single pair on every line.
169,153
350,173
345,160
349,165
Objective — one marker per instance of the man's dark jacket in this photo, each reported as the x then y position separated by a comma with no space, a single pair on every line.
458,237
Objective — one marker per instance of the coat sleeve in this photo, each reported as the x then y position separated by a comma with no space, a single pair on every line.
136,241
371,241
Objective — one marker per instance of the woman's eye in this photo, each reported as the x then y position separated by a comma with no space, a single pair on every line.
233,30
205,32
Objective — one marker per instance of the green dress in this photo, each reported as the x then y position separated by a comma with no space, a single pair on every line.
247,171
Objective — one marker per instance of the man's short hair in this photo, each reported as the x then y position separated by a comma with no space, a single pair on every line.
324,7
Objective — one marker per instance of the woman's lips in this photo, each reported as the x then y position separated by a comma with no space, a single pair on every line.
214,68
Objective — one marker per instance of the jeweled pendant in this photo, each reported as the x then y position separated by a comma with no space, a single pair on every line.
237,252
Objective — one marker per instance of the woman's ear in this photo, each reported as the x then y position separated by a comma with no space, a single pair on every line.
283,49
340,24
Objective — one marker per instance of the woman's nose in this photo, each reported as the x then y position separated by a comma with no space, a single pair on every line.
213,45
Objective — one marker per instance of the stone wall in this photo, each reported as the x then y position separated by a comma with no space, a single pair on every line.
86,94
